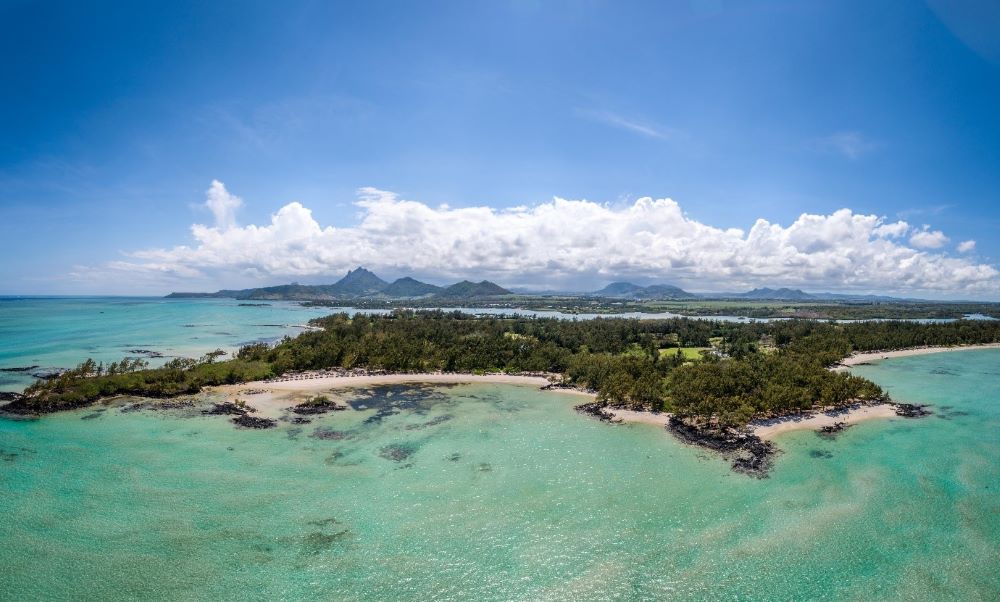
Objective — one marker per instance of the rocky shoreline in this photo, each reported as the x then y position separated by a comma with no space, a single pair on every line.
750,450
320,405
597,409
748,454
241,415
912,410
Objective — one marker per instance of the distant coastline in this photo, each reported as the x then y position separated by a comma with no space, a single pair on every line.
858,359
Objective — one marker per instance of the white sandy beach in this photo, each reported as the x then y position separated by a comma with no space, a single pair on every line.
770,429
270,398
865,358
658,419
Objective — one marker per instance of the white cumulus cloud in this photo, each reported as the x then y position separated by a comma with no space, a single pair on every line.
222,204
928,239
966,245
562,242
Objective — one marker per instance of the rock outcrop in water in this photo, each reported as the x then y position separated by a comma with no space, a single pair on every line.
228,408
596,409
912,410
144,352
319,405
748,453
831,431
253,422
241,413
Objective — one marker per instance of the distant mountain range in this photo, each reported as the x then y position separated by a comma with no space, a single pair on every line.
363,284
357,284
794,294
627,290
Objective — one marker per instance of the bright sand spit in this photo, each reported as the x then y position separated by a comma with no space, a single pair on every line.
656,419
865,358
772,428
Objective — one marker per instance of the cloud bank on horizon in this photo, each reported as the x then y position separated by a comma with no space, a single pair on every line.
566,243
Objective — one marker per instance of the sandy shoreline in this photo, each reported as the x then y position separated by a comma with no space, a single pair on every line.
866,358
270,398
770,429
339,382
634,417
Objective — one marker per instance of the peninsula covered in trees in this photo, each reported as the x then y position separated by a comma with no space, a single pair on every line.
708,373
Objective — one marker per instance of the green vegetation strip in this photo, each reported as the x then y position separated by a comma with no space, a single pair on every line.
753,369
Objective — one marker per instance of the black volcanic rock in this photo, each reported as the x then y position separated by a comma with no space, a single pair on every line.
912,410
252,422
227,409
748,453
320,405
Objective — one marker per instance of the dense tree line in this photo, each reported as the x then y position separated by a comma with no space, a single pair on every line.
733,391
756,369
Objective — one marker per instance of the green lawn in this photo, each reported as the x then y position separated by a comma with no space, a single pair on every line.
689,353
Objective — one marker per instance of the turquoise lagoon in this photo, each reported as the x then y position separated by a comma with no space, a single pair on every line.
61,332
479,492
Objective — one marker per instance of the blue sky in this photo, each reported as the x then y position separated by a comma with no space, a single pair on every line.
117,117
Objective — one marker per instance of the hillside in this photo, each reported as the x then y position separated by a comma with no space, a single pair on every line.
627,290
474,289
408,287
357,284
783,294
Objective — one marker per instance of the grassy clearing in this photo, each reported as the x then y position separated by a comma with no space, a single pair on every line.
688,353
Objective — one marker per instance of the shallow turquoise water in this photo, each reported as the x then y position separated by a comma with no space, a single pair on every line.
504,493
61,332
